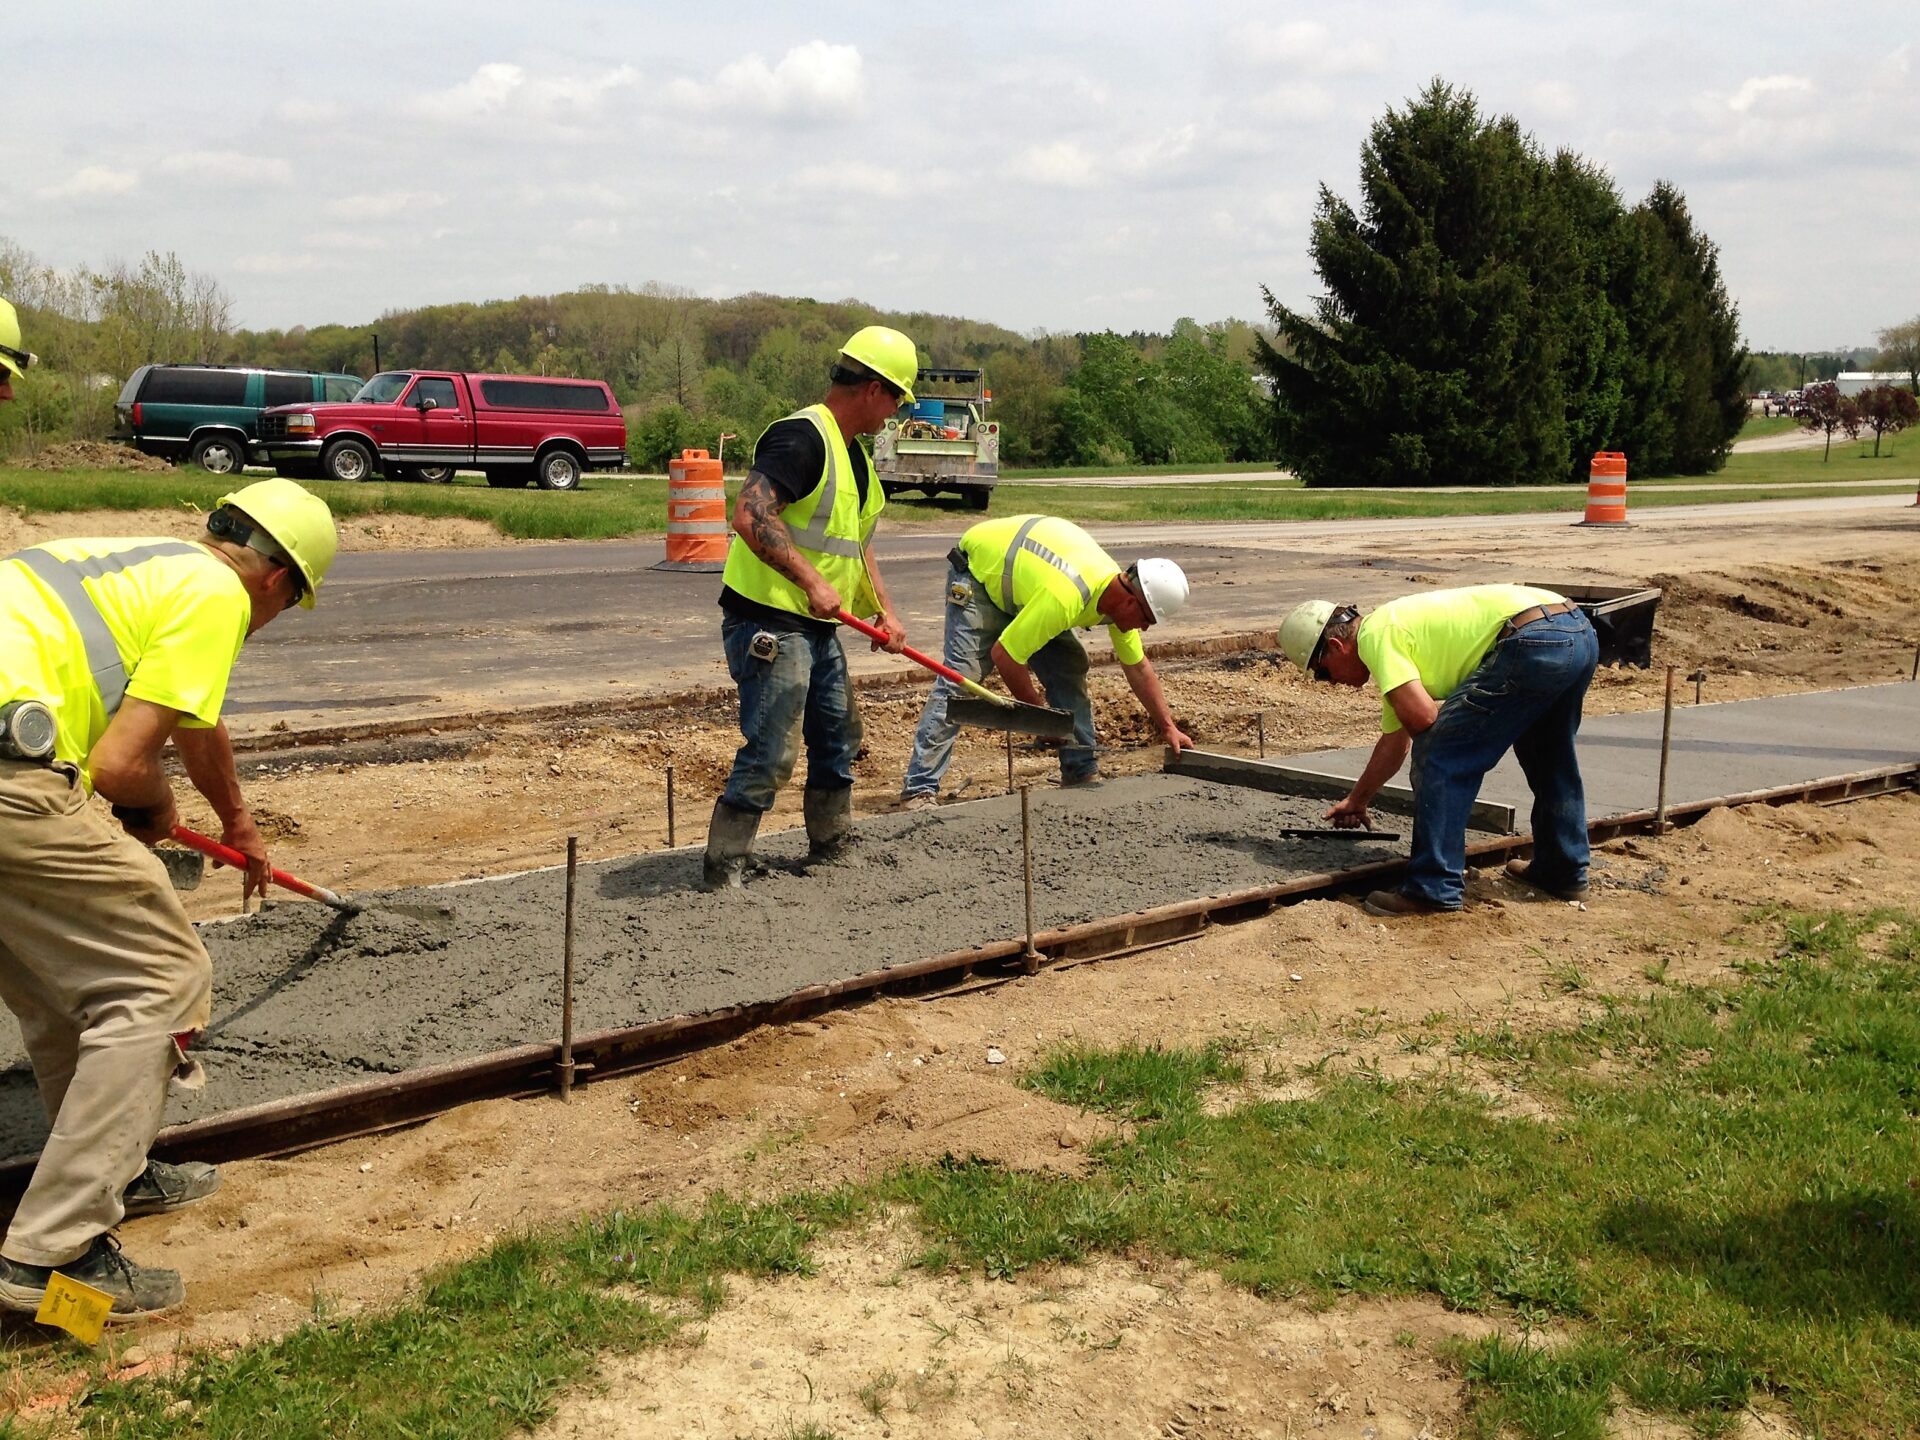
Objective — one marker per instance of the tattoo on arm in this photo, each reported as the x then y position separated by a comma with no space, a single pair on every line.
764,530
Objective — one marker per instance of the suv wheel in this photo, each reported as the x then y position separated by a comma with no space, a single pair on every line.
559,470
219,455
347,460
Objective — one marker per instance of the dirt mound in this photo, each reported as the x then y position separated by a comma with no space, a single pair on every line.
94,455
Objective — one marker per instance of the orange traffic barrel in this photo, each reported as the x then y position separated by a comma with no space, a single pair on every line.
1607,489
697,526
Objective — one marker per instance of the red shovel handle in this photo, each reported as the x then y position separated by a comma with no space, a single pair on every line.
874,632
227,855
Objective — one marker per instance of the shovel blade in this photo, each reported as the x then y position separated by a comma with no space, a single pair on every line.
1014,717
184,867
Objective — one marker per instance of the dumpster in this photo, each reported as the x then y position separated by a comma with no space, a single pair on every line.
1622,617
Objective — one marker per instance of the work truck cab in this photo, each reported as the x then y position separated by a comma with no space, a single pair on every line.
423,424
943,442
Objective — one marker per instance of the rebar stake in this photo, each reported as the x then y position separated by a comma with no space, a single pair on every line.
1699,678
1916,650
1009,762
670,805
1260,728
1029,957
566,982
1666,748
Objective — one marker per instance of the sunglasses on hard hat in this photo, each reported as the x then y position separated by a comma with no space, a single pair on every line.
25,359
1316,665
228,524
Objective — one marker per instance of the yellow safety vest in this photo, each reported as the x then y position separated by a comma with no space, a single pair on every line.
829,526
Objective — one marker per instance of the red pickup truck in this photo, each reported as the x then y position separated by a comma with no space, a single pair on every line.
423,424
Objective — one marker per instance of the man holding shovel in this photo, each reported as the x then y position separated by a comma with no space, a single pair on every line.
108,650
1017,588
804,523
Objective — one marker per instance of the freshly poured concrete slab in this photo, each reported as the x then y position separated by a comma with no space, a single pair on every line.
1725,749
306,999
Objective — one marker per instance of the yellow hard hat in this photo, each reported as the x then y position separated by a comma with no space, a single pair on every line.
297,520
14,357
1300,632
887,353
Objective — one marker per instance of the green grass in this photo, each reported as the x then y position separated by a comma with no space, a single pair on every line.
1721,1209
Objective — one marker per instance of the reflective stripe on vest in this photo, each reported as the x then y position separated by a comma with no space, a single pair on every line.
1022,540
63,577
814,536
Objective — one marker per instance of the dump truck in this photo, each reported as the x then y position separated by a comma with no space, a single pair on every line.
942,443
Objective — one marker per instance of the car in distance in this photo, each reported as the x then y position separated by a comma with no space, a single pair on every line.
416,424
208,414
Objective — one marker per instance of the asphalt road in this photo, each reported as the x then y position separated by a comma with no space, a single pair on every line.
406,634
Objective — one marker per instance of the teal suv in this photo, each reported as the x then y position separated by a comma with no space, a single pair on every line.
208,414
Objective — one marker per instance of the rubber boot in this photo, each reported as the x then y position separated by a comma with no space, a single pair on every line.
729,842
829,823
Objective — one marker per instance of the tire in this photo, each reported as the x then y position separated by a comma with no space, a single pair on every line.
511,477
977,497
559,470
347,460
219,454
433,474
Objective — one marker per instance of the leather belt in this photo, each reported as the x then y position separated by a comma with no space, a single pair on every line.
1538,612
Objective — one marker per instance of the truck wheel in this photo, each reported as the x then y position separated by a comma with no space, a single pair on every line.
559,470
347,460
512,477
219,455
433,474
977,497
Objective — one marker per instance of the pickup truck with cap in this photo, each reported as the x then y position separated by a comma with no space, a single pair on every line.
424,424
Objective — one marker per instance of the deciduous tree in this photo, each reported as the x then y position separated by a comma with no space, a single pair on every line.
1887,410
1827,410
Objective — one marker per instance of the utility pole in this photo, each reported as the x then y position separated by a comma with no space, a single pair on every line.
376,352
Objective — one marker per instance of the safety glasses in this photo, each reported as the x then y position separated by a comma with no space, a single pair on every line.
24,359
1316,664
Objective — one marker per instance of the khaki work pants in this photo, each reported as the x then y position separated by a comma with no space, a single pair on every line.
101,967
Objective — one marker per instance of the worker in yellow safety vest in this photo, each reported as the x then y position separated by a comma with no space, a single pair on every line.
1017,589
108,650
803,525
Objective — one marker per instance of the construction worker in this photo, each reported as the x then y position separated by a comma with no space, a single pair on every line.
1017,588
1464,676
804,524
108,650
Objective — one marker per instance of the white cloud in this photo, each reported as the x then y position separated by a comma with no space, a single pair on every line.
365,242
852,178
1070,165
383,205
308,112
1768,88
278,263
592,228
229,165
1063,164
1307,46
811,81
91,181
504,89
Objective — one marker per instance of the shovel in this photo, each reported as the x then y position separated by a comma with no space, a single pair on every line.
986,709
227,855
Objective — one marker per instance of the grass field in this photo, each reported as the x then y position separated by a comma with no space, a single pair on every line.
1716,1206
607,506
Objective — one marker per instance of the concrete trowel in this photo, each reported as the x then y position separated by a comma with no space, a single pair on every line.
981,707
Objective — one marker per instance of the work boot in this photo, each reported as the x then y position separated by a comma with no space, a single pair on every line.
1392,903
1522,870
913,804
729,842
161,1187
136,1289
829,822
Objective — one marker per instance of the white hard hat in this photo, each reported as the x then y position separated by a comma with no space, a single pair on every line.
1162,585
1300,632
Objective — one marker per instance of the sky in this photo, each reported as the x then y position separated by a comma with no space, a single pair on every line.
1044,166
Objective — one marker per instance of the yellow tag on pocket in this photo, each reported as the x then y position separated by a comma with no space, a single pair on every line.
78,1309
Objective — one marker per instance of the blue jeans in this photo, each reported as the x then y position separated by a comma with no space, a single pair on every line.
802,691
973,625
1525,696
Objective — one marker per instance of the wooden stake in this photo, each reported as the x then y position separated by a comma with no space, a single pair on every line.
669,805
566,981
1666,748
1260,726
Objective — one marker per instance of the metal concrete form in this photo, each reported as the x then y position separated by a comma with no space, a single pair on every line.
1770,743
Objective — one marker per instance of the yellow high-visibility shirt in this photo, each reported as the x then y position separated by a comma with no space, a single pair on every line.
1050,584
1438,637
176,613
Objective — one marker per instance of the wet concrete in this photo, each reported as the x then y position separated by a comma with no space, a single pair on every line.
307,999
1718,749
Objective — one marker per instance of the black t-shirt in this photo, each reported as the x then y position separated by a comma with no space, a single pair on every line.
793,455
